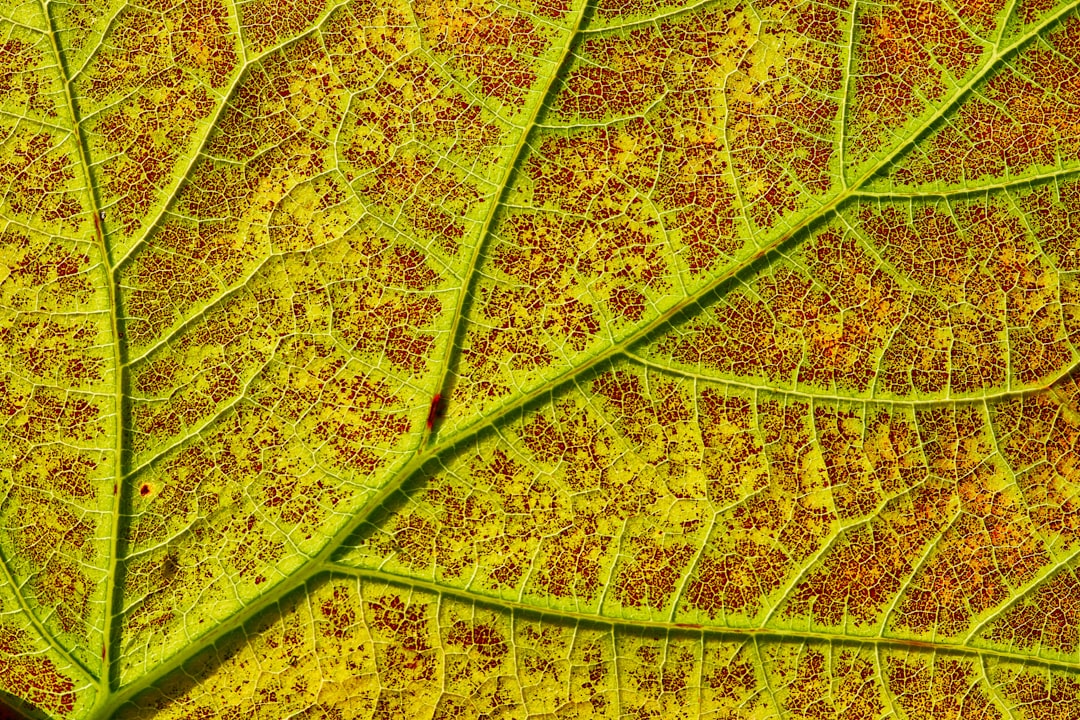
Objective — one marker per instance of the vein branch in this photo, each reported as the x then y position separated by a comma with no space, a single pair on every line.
39,627
635,626
510,172
1026,391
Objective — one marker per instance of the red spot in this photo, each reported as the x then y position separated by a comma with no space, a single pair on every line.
144,490
436,411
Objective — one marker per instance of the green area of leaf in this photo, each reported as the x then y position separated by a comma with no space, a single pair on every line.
562,358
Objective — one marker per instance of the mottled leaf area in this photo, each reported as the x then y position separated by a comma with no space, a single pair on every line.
755,325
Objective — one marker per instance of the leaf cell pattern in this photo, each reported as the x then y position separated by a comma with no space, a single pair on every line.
755,325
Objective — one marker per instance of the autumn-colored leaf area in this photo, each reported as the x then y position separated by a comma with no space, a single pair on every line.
453,359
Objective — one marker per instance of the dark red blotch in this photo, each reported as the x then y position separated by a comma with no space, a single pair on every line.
436,411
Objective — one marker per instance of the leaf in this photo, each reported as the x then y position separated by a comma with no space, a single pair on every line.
580,358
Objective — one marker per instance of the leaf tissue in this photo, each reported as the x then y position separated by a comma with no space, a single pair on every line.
545,359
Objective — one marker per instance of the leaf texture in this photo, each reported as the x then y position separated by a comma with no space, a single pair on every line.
755,326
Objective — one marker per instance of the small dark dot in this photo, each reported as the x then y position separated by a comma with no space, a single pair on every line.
144,490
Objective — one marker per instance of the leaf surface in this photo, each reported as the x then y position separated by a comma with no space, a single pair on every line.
577,358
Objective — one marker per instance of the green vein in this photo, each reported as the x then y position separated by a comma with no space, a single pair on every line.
708,631
54,644
117,359
1019,182
502,189
1043,386
645,22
